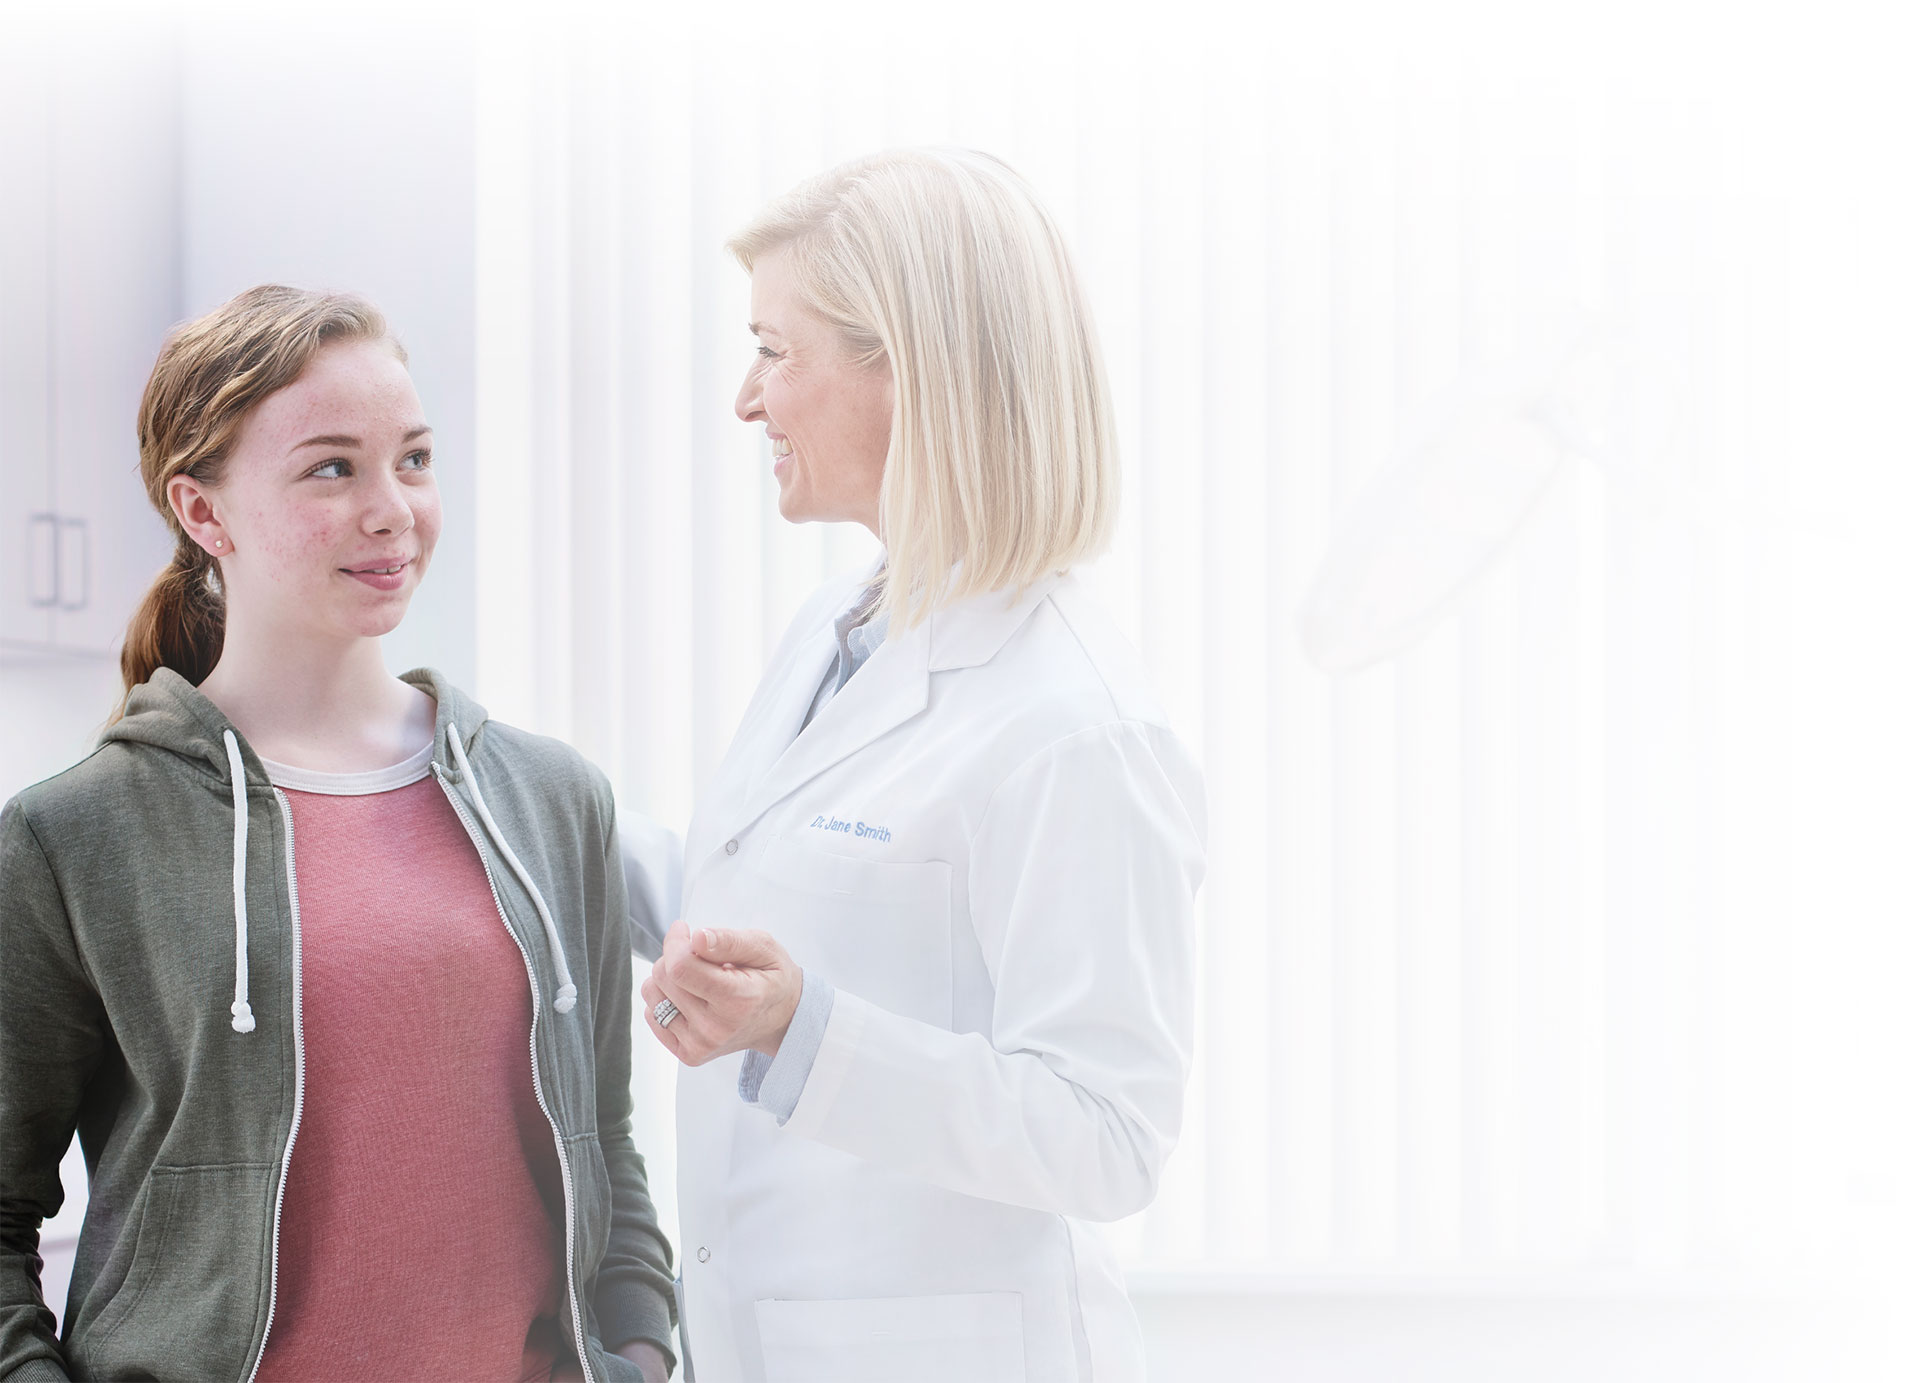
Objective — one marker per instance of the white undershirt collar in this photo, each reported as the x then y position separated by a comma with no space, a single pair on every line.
400,775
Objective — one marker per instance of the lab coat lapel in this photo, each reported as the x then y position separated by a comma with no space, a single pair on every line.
775,721
890,689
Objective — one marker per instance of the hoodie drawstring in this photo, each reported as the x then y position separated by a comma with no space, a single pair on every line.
564,996
242,1011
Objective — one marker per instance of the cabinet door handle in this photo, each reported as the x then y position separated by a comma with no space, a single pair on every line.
43,561
85,569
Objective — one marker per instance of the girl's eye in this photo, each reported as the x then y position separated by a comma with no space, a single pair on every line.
419,460
332,470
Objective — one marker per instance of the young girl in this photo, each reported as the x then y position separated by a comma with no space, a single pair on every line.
328,971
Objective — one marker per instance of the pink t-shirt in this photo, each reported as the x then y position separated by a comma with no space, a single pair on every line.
422,1229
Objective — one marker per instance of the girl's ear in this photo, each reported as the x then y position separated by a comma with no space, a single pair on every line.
192,505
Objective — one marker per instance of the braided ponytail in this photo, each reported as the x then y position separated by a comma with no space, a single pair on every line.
181,623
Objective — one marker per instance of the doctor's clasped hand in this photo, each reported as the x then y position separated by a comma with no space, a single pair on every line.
731,991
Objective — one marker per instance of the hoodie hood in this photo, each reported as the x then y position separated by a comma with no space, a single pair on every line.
169,713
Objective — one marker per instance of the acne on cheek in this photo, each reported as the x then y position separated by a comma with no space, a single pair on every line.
309,535
285,541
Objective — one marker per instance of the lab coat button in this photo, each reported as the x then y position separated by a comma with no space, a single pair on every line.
703,1255
733,847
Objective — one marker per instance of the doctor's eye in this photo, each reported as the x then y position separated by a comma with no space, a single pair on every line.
417,460
766,354
332,470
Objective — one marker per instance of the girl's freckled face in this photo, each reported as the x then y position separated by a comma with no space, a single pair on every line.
329,500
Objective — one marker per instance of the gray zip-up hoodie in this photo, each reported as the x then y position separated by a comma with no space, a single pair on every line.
150,999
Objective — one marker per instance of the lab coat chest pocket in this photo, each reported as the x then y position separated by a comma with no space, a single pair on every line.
880,929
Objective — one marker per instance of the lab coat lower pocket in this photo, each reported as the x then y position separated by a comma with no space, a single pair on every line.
970,1338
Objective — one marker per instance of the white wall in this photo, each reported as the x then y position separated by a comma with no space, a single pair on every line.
51,707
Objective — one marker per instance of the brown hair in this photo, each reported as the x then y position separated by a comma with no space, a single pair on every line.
212,373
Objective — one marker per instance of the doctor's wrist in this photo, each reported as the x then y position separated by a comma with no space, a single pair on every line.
781,1014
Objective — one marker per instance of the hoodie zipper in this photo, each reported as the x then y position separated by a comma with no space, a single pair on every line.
299,1084
533,1053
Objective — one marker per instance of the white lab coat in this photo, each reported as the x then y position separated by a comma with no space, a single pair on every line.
989,842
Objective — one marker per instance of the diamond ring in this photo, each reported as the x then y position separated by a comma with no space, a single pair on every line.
664,1012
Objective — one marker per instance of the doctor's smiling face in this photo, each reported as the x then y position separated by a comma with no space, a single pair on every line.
828,415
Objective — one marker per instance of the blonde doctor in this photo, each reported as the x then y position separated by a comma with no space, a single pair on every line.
940,891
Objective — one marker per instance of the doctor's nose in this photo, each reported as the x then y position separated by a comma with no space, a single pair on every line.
746,405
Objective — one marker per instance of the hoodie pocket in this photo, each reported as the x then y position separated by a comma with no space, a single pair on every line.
190,1303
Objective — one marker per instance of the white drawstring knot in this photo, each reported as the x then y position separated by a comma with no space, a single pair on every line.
564,996
241,1010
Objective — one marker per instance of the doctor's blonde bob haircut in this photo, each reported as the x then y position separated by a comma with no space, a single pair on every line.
942,264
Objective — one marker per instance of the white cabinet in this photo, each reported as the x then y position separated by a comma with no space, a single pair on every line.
89,249
27,523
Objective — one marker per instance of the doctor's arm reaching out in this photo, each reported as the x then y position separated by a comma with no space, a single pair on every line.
650,859
1081,878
